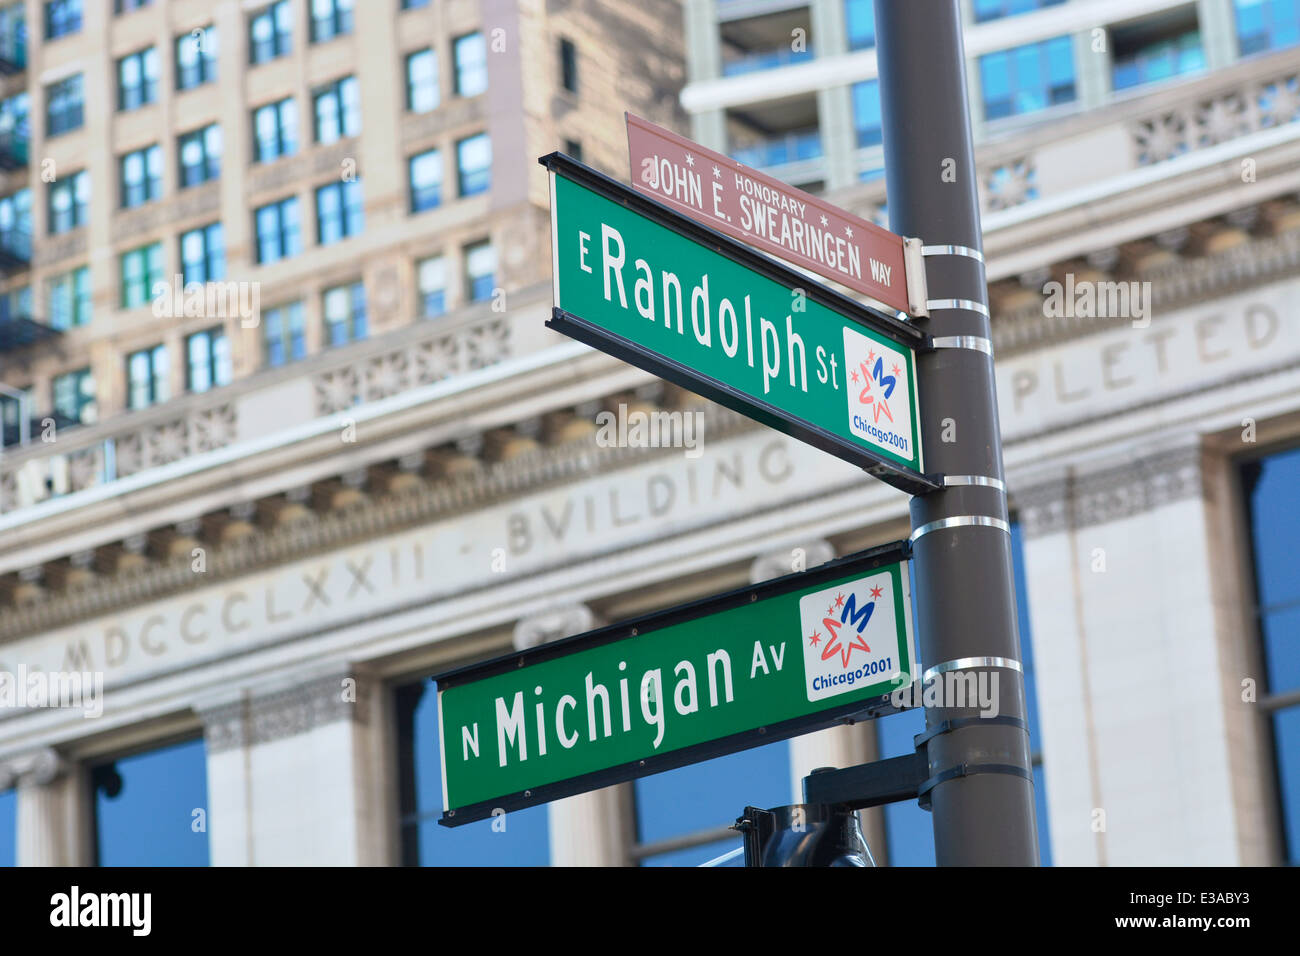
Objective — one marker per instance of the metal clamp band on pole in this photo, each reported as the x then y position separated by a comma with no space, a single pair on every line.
951,481
968,770
970,305
952,251
948,726
976,342
960,521
969,663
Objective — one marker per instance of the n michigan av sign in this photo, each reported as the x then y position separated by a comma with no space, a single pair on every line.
683,685
671,296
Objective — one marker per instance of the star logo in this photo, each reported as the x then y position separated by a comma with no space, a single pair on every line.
839,599
898,372
824,223
875,592
814,638
848,231
717,173
854,376
690,160
876,378
853,618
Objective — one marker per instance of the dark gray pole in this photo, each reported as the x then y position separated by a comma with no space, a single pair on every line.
983,802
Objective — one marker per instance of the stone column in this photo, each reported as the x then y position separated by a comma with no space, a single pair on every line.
50,819
296,772
589,829
844,746
1150,755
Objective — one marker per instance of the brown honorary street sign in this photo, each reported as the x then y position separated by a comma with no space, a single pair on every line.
776,218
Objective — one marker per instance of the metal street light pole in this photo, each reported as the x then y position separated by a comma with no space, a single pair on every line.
980,786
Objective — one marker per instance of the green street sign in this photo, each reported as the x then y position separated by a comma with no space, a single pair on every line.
724,674
669,295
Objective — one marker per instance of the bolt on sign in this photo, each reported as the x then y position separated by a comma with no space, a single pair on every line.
721,675
668,295
764,212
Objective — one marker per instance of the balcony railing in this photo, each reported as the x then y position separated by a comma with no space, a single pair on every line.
777,151
766,60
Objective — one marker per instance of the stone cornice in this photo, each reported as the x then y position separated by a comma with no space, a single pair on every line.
286,712
537,469
1069,499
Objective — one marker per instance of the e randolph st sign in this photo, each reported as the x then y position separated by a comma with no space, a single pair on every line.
671,296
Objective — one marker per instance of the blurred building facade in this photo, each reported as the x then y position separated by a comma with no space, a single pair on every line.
266,536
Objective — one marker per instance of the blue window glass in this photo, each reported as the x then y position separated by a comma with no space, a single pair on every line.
1158,60
866,112
708,796
524,841
1027,78
1267,25
1274,526
995,9
1031,691
145,808
285,341
474,164
860,20
9,828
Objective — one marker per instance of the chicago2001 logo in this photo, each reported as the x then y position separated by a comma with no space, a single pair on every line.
849,636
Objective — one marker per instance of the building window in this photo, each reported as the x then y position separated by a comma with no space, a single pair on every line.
474,164
683,817
413,4
1274,524
279,234
16,304
470,54
426,180
424,842
69,299
62,17
1027,78
64,106
431,280
1267,25
270,32
11,433
866,113
69,202
200,155
141,173
140,268
285,340
196,57
345,313
338,110
126,6
146,377
573,149
329,19
137,801
8,813
203,254
569,65
339,211
422,81
16,223
275,130
207,360
1157,49
15,133
137,79
480,271
74,397
996,9
860,21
